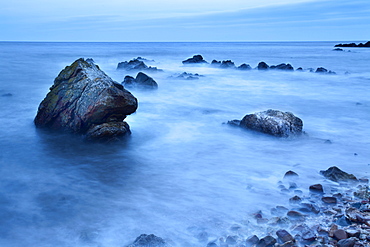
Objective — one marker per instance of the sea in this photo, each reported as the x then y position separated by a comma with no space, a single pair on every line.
184,174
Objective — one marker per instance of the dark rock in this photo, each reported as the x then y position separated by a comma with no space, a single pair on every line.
6,95
295,199
282,66
151,240
267,241
187,76
227,64
279,210
328,142
136,64
284,236
343,221
231,239
337,49
194,60
321,70
308,235
300,69
316,188
215,63
252,240
273,122
234,122
142,81
244,67
309,208
108,131
295,214
337,175
329,199
212,244
262,66
290,174
84,97
367,44
340,234
350,242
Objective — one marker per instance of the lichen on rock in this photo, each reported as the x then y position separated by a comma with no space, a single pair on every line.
82,97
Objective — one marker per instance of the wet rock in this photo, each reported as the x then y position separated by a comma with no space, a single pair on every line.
142,81
308,235
367,44
231,240
128,81
295,199
282,66
151,240
187,76
321,70
340,234
337,49
300,69
244,67
337,175
263,66
343,221
329,199
316,188
196,59
284,236
83,97
136,64
212,244
309,208
273,122
227,64
215,63
353,233
290,174
350,242
295,215
267,241
108,131
252,240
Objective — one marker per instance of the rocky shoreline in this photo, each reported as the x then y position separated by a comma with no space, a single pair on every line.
337,214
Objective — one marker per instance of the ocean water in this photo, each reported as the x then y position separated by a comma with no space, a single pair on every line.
183,175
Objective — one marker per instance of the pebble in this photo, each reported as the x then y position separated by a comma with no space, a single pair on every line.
252,240
329,199
340,234
295,199
316,188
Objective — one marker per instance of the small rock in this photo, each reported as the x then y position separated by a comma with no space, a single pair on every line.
295,199
290,174
252,240
245,67
329,200
316,188
337,175
350,242
354,233
212,244
340,234
263,66
308,235
196,59
284,236
321,70
295,215
267,241
231,240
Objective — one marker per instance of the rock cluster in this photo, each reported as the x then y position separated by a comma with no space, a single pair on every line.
272,122
151,240
84,100
186,76
136,64
142,81
196,59
367,44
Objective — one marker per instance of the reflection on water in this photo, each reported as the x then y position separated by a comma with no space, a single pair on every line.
183,174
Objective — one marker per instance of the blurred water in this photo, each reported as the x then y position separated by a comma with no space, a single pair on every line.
182,172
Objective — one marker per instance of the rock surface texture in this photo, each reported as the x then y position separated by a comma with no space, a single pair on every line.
142,81
273,122
85,100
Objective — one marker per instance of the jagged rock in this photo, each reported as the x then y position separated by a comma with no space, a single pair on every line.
350,242
136,64
267,241
316,188
142,81
151,240
273,122
215,63
252,240
194,60
337,175
226,64
244,67
108,131
187,76
84,97
321,70
284,236
367,44
282,66
262,66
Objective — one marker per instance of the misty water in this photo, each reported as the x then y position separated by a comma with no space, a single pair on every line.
182,173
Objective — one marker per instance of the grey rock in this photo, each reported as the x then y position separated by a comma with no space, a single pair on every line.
282,66
267,241
196,59
83,97
337,175
142,81
350,242
290,174
262,66
136,64
273,122
284,236
227,64
108,131
329,199
151,240
252,240
340,234
316,188
244,67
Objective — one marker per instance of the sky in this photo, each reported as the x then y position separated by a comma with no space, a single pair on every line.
184,20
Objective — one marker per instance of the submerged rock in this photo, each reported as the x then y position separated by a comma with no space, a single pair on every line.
151,240
273,122
142,81
194,60
282,66
84,97
136,64
263,66
337,175
244,67
186,76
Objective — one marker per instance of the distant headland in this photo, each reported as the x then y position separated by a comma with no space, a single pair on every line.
367,44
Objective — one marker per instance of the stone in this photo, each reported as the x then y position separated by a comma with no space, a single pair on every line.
267,241
273,122
329,199
215,63
244,67
316,188
367,44
262,66
84,97
290,174
108,131
321,70
151,240
226,64
186,76
282,66
350,242
212,244
252,240
196,59
295,214
295,199
136,64
142,81
340,234
231,240
284,236
337,175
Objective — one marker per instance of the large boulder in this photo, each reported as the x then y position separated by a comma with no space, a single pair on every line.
337,175
272,122
136,64
83,99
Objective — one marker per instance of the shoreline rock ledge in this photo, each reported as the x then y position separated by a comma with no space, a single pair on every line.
272,122
84,100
